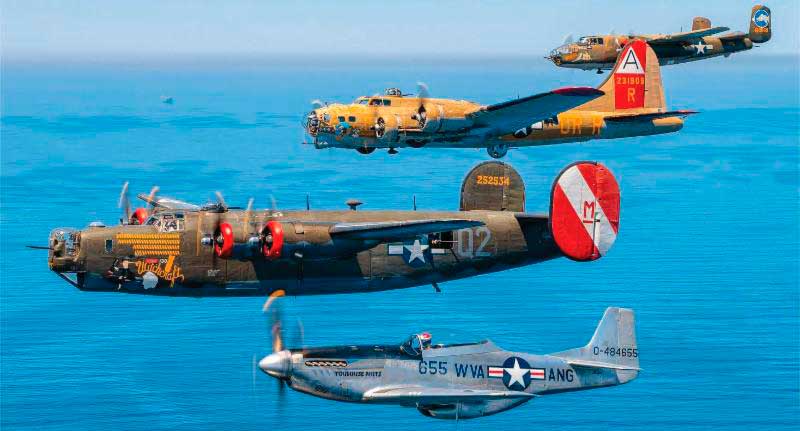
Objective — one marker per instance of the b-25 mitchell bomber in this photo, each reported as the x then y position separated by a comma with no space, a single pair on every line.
599,52
180,249
629,103
457,381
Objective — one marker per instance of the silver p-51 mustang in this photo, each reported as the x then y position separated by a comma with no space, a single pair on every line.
458,381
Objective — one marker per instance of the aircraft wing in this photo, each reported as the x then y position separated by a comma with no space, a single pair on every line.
733,36
424,395
687,35
392,230
508,117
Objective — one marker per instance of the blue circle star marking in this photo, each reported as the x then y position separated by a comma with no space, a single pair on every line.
516,374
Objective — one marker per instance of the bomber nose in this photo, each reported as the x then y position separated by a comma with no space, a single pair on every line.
312,123
277,365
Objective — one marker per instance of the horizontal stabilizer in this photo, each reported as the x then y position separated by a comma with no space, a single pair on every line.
507,117
649,117
394,230
595,364
425,395
687,36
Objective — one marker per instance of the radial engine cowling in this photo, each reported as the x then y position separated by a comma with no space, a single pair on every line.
297,240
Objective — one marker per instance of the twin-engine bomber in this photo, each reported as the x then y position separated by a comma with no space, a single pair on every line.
458,380
180,249
702,42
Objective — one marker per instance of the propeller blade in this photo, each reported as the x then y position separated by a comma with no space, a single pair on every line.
39,247
422,90
125,202
273,203
151,198
316,103
271,298
221,200
568,39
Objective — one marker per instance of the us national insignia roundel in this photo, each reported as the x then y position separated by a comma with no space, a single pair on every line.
516,373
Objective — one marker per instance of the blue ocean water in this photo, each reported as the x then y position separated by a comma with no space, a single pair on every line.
707,253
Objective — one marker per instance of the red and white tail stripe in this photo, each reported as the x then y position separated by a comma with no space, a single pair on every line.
584,211
536,373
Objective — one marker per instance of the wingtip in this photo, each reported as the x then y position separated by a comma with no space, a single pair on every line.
578,91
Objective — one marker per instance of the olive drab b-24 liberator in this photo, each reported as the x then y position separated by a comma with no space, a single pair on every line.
630,102
703,42
460,380
180,249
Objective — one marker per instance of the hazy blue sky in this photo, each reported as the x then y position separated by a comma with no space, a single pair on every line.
33,29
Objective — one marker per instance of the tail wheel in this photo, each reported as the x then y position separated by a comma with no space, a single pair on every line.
223,240
272,240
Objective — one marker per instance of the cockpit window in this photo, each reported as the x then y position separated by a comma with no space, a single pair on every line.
591,40
167,222
375,102
387,102
341,119
416,343
351,119
363,101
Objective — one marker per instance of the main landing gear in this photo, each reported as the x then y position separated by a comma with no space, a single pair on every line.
365,150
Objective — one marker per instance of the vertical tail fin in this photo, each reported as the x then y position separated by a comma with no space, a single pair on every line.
613,346
634,84
700,23
760,24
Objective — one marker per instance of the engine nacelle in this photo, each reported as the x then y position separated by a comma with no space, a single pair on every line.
432,118
387,128
296,240
468,410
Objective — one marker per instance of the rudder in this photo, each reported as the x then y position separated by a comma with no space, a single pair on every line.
634,84
612,346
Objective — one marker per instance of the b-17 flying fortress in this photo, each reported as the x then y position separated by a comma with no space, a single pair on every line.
630,102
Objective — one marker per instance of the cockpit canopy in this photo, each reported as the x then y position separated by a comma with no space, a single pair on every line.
590,40
415,344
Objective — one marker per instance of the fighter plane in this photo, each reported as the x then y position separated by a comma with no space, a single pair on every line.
181,249
629,103
600,52
457,381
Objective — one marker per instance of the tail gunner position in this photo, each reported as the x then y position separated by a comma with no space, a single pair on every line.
458,381
629,103
180,249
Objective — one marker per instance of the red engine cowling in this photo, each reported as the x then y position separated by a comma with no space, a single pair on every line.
139,216
223,240
584,211
272,240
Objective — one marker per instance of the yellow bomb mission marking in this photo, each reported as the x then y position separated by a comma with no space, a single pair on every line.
152,244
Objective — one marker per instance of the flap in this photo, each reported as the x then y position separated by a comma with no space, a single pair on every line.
508,117
390,230
687,36
424,395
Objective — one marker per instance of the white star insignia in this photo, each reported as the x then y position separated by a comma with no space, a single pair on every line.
517,374
416,251
701,48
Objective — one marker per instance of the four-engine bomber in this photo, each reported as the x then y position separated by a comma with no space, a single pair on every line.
175,248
